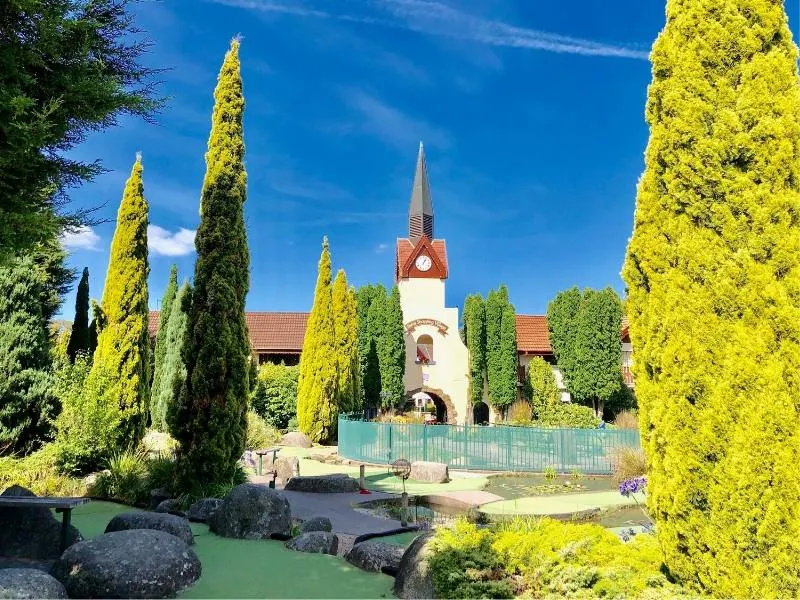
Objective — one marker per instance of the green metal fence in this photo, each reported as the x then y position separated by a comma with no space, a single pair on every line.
495,448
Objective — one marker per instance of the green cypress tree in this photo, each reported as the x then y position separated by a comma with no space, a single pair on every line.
506,388
391,347
209,419
121,359
167,303
27,404
596,373
562,313
713,276
317,384
346,339
475,339
173,369
369,367
79,338
542,386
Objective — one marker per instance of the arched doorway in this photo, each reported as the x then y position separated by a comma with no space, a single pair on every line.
445,410
480,413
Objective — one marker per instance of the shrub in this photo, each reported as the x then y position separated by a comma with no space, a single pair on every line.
259,433
544,558
566,414
627,463
125,480
37,473
520,412
275,396
627,419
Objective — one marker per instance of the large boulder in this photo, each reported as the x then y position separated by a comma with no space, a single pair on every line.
31,532
202,510
170,506
430,472
295,439
316,524
318,542
373,555
29,583
137,563
172,524
252,512
286,467
157,496
413,579
338,483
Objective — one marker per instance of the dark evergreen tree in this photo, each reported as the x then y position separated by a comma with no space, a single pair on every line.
392,352
173,371
167,303
474,333
562,313
79,338
210,418
369,366
27,403
508,361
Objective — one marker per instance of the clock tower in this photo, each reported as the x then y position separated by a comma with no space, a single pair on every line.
437,361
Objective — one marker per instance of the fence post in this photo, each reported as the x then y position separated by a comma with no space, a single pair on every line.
424,442
390,442
509,443
466,445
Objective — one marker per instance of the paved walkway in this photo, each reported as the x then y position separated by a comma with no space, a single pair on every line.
338,508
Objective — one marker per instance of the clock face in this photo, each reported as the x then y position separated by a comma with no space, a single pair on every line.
423,262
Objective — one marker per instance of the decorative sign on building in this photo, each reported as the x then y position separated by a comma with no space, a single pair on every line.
412,325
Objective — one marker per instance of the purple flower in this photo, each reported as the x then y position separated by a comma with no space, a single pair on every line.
631,486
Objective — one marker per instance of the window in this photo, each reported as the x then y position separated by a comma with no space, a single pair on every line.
424,349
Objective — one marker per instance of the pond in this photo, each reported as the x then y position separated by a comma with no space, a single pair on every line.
420,511
510,487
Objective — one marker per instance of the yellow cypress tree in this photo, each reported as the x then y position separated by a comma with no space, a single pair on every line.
713,271
316,387
121,358
346,338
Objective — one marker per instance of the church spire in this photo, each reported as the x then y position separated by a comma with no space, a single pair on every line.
420,213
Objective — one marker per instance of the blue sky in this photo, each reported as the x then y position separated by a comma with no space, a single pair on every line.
532,115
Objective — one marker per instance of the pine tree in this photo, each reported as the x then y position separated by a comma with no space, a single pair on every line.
596,374
346,339
79,338
209,419
317,384
475,339
369,367
121,358
392,352
562,313
167,302
27,404
173,370
713,276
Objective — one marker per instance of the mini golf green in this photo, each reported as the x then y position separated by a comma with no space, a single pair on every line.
255,568
557,505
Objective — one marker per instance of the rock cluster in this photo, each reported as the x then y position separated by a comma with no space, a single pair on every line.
252,511
337,483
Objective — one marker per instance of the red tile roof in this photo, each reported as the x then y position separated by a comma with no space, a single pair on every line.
532,335
405,247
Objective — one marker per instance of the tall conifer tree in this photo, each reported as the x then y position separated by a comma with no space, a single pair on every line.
475,340
369,367
713,275
79,338
562,316
508,359
209,419
346,338
173,370
392,352
121,358
317,384
167,303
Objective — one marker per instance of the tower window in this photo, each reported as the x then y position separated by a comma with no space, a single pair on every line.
424,349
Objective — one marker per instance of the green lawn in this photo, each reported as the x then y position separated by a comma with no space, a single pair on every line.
255,568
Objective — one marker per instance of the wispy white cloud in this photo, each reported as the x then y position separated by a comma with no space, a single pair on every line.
287,182
81,238
391,124
435,18
381,248
162,242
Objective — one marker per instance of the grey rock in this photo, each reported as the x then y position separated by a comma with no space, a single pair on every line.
413,579
29,583
430,472
138,563
171,524
316,524
286,467
373,555
252,512
318,542
170,506
202,510
295,439
157,496
31,532
338,483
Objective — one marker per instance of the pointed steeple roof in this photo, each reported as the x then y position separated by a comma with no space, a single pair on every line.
420,212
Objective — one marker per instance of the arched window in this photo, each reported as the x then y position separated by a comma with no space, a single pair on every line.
424,349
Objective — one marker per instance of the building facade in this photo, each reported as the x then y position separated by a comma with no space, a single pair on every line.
437,361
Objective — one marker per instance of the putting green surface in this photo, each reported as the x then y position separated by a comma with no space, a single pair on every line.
255,568
558,504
